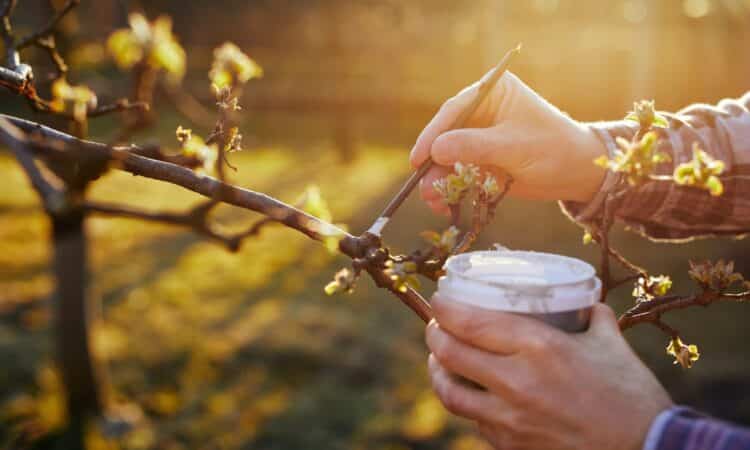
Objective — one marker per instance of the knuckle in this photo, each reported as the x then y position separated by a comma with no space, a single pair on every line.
523,388
541,344
451,399
442,142
546,344
444,350
513,421
450,103
606,312
461,322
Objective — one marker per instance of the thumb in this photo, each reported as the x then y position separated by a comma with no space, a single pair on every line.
603,320
479,146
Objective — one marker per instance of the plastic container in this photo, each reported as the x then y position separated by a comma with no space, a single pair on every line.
556,289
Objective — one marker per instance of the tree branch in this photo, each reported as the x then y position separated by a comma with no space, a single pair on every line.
58,144
18,144
651,310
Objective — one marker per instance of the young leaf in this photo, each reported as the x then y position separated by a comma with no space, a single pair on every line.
644,113
232,66
153,43
684,355
444,242
343,281
77,99
194,146
403,275
637,160
702,172
648,289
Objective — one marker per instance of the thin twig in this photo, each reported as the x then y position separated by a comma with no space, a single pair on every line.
49,28
627,263
120,105
49,45
12,59
648,311
668,330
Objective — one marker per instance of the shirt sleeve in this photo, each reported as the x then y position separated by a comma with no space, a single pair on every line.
681,428
665,211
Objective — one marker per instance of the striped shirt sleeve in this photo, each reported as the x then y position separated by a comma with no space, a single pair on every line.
681,428
666,211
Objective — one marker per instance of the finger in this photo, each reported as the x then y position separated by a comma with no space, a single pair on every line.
486,369
458,397
443,121
495,435
494,331
465,145
500,146
603,321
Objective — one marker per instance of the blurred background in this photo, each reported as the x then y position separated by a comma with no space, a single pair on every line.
214,350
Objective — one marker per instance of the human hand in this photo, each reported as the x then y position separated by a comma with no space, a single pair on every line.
548,154
545,389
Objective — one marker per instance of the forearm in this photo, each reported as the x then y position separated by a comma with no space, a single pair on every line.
664,210
681,428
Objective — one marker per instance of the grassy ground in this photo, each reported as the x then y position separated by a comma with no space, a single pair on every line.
231,351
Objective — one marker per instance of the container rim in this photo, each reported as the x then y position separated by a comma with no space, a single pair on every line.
452,267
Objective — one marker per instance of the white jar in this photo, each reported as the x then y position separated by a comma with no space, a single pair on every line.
556,289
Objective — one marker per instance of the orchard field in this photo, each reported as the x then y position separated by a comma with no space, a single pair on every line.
208,349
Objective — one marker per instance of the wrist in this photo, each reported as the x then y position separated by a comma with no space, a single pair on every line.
588,146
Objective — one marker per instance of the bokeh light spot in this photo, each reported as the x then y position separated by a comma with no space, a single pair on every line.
546,6
634,11
696,8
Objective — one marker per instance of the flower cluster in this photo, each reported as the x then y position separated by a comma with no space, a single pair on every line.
702,171
194,146
644,112
717,276
637,160
344,281
225,99
403,274
647,289
684,355
489,189
76,99
455,186
444,242
232,66
149,42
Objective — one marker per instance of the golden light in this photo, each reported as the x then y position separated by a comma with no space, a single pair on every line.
634,11
696,8
546,6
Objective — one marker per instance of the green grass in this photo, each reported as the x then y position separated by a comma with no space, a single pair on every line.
231,351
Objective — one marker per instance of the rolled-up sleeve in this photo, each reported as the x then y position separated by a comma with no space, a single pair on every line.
666,211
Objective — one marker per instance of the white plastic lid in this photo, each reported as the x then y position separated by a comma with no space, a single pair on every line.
520,281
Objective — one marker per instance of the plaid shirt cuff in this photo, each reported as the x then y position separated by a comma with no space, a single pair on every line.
669,212
586,212
681,428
